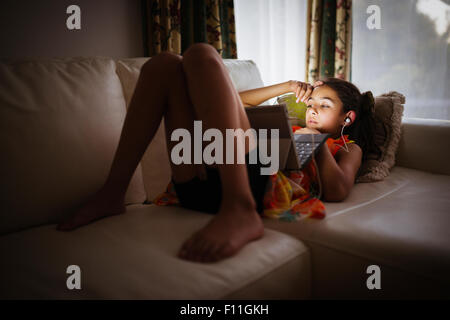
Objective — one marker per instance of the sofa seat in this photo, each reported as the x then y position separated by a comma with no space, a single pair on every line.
133,256
399,224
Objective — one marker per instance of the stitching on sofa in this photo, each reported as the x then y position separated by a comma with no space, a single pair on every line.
338,213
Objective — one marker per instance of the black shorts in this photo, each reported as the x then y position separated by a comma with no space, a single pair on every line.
206,195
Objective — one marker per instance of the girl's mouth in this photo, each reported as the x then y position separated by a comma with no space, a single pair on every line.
312,121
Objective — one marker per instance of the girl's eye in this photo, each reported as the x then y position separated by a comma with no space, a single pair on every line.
323,106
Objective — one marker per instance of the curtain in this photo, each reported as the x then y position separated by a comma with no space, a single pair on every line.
174,25
329,39
272,34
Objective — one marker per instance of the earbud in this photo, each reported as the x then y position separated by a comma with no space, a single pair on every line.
347,120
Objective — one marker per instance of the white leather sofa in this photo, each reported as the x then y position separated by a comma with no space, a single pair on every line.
60,122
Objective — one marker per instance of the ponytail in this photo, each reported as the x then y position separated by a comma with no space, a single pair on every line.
363,130
367,102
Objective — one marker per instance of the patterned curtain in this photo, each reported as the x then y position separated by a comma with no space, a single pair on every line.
173,25
329,37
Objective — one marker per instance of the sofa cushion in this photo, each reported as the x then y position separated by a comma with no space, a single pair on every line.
244,74
400,222
133,256
296,110
60,122
388,109
423,145
128,71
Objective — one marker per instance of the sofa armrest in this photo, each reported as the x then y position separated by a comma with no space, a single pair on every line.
424,145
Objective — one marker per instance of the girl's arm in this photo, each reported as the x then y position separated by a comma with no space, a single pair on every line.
338,173
257,96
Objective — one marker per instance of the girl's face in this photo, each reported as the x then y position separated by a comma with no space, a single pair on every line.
324,111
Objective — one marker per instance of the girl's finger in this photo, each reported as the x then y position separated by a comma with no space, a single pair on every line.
318,83
297,93
307,93
302,92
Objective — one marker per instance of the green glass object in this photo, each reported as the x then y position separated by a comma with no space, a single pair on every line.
296,111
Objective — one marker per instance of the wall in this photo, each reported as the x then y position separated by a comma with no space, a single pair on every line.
38,29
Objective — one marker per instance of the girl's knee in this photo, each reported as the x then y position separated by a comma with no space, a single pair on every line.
163,63
199,54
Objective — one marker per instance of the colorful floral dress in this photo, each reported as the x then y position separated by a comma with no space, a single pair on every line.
289,196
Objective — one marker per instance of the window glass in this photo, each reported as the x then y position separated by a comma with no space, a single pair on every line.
408,54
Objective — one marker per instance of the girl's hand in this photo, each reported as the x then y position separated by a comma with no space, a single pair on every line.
307,130
302,90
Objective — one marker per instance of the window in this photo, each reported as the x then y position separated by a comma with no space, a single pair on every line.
272,34
409,54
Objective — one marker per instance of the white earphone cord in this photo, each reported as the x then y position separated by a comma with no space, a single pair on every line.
315,163
317,168
342,136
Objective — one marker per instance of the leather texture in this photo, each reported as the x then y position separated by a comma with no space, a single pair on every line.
400,223
133,256
424,145
60,122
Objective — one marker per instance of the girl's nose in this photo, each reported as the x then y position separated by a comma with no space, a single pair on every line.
312,110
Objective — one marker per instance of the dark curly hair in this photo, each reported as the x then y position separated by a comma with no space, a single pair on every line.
362,130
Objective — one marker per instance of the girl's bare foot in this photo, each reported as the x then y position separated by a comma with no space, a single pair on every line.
232,228
100,205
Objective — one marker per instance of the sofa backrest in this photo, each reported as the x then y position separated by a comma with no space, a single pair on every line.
60,122
424,145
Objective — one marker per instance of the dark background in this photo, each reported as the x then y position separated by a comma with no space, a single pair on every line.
110,28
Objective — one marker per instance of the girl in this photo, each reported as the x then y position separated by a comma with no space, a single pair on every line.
333,106
197,86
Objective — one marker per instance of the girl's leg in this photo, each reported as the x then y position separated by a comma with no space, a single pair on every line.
218,105
180,113
148,105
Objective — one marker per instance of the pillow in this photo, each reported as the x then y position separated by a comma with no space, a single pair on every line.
128,71
388,116
296,111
